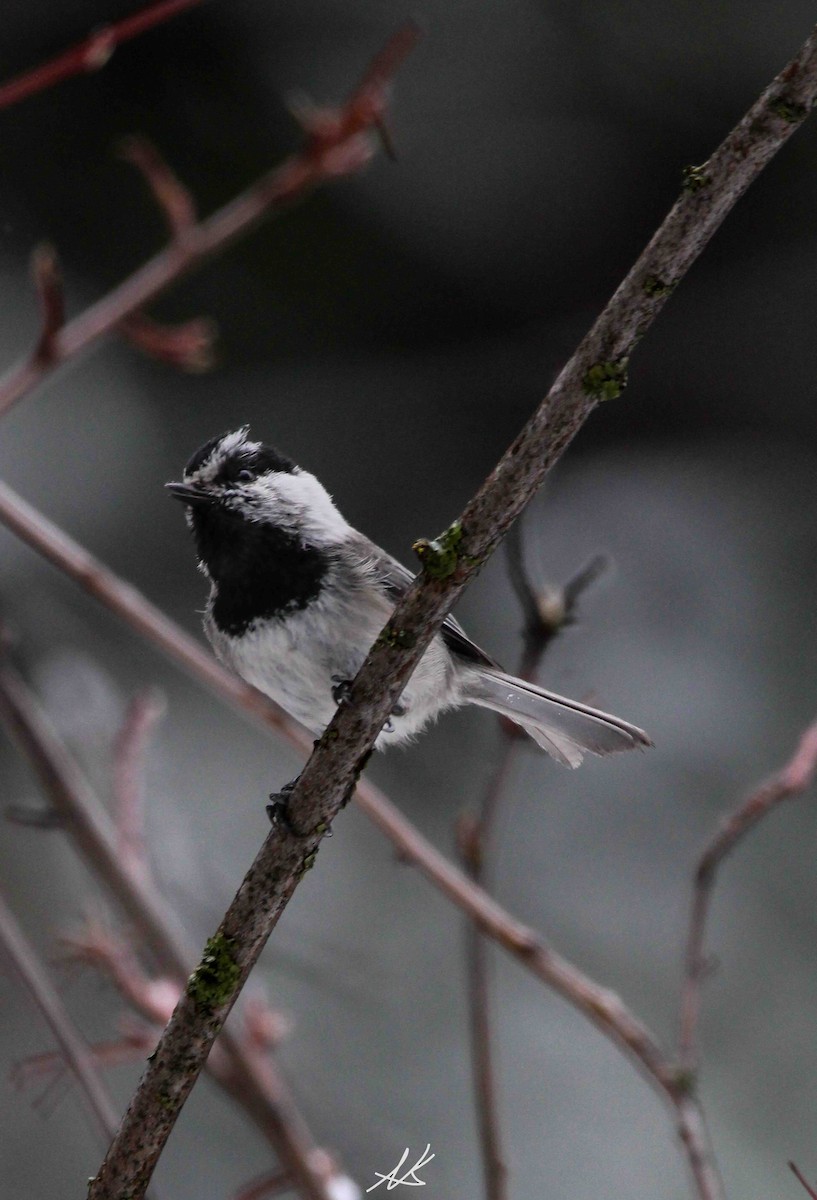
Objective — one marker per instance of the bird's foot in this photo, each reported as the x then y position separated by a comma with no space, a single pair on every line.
399,710
278,813
341,689
278,809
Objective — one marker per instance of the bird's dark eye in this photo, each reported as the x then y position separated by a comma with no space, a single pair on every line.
244,477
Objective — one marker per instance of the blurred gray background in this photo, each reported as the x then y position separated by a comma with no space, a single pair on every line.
392,334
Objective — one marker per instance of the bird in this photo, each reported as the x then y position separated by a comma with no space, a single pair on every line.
298,596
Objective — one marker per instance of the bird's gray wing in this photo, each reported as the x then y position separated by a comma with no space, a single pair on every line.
395,580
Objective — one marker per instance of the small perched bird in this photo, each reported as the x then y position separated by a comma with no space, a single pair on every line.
297,597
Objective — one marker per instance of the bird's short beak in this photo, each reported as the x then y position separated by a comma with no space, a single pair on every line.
189,494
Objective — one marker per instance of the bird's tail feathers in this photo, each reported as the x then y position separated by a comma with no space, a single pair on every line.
564,728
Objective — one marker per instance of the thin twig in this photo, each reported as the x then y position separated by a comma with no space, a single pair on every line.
798,1175
474,837
73,1048
96,946
546,613
189,346
126,1049
342,143
131,746
174,200
263,1187
90,54
791,781
45,271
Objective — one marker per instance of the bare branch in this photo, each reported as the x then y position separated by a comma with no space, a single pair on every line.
134,1045
172,197
791,781
265,1186
189,346
96,946
798,1175
546,614
548,610
480,1017
73,1047
143,714
340,144
91,54
45,271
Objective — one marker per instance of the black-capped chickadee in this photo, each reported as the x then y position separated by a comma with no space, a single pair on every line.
297,597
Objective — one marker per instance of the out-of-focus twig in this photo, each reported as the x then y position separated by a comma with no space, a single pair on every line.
798,1175
132,1046
130,749
340,143
480,1019
73,1048
792,780
175,201
96,946
546,612
45,271
91,54
263,1187
188,346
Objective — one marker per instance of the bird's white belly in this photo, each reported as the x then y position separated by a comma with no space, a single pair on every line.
293,662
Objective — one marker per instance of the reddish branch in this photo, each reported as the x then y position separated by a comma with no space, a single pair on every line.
798,1175
338,142
189,346
264,1187
45,271
128,779
134,1044
791,781
91,53
173,198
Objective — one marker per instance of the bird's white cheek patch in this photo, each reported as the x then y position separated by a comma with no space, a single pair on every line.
319,519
